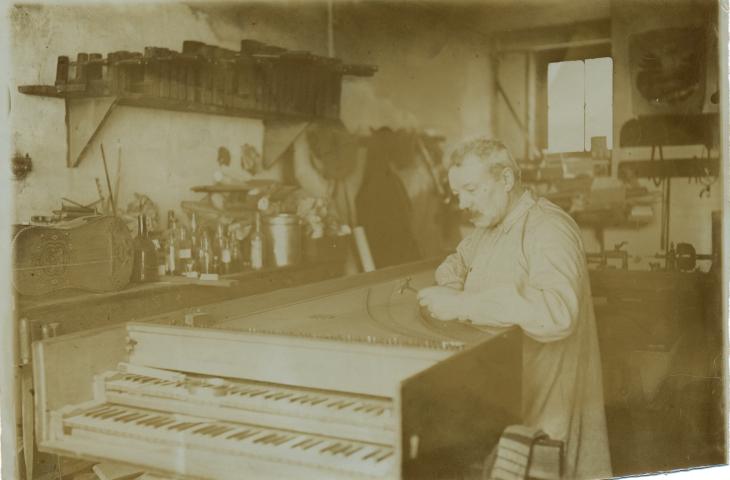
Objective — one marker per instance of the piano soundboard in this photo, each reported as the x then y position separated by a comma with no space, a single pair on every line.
351,383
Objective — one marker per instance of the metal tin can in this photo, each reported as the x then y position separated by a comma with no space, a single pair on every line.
283,245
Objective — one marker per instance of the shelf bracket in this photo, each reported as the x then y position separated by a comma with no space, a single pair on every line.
85,117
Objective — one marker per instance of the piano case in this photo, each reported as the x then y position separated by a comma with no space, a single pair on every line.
288,401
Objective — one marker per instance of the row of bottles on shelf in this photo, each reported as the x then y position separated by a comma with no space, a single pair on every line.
193,251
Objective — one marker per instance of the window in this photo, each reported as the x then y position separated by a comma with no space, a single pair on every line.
580,99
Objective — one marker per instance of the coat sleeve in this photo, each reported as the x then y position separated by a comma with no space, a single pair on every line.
547,306
453,270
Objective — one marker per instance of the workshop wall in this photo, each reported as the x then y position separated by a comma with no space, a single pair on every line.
163,153
690,215
432,73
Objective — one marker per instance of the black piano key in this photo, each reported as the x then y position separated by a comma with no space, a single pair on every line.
264,437
220,431
352,450
257,393
185,426
342,448
112,415
284,439
312,445
204,429
162,422
98,412
372,454
344,405
238,433
129,418
302,443
244,391
150,420
330,447
242,434
384,456
317,401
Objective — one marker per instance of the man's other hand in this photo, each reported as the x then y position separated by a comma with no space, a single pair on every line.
443,303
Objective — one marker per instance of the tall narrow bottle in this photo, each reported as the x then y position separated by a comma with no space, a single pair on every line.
234,246
144,268
257,245
185,263
194,235
205,254
172,236
223,250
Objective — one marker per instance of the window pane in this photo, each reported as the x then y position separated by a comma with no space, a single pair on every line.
599,100
566,85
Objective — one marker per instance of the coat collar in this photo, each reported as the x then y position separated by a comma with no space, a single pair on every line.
525,202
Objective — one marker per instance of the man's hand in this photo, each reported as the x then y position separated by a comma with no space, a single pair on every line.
443,303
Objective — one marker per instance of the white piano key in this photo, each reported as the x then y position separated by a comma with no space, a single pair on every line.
314,450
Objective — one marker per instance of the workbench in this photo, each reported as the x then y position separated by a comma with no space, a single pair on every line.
75,310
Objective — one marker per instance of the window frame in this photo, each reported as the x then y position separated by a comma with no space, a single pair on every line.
542,59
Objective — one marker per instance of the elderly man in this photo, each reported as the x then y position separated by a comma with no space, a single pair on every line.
524,266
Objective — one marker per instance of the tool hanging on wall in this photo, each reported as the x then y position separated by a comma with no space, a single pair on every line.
708,180
108,182
666,182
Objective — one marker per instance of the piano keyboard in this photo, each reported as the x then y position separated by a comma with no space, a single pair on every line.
359,417
117,423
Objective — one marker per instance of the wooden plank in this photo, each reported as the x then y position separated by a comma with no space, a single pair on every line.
86,119
41,90
305,362
454,412
64,376
669,168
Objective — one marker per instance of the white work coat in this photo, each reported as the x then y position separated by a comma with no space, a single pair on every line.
530,271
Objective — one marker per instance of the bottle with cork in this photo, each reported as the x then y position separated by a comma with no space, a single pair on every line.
257,244
172,237
144,268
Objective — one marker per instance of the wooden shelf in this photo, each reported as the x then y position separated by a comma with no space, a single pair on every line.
260,81
146,101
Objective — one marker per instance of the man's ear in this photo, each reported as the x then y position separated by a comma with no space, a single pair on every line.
508,178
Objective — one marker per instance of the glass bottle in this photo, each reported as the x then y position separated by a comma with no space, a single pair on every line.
234,246
194,235
144,268
223,250
171,251
257,245
205,254
185,262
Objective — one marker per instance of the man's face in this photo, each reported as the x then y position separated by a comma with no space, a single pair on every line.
483,196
